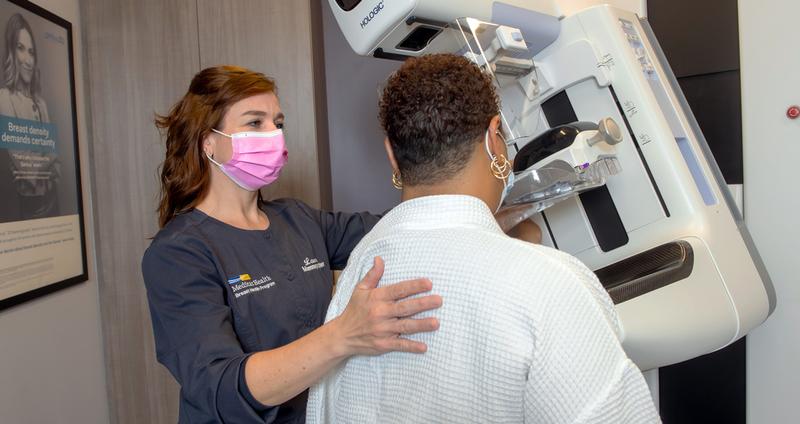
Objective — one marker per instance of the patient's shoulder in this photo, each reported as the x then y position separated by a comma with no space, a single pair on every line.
571,281
544,258
541,268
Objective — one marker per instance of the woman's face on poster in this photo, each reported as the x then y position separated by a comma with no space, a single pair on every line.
26,56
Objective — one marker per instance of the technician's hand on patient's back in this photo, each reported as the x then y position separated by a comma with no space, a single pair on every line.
387,315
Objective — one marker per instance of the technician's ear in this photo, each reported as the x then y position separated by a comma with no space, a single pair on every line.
390,154
208,145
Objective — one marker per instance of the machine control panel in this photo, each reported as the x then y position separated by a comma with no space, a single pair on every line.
638,49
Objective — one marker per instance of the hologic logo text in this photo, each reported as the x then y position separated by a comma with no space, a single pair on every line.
373,13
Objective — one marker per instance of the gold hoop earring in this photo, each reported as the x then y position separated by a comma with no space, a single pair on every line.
397,182
501,167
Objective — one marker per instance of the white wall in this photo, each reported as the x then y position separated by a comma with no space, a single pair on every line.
51,352
770,70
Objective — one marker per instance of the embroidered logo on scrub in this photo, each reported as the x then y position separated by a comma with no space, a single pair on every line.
243,284
312,264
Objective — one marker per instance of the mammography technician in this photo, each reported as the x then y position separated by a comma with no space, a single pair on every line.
238,286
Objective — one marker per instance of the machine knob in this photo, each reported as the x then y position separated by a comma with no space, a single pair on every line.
793,112
607,131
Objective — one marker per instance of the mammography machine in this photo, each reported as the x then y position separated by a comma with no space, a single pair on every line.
609,159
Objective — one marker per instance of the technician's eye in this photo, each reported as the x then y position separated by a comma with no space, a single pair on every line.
255,124
279,125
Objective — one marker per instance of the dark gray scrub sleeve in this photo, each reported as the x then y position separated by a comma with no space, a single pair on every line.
196,340
218,294
342,231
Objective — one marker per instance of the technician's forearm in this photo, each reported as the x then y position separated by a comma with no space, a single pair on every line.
277,375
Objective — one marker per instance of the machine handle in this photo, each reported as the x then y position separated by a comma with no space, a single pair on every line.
607,131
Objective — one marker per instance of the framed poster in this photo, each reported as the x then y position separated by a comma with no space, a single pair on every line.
42,240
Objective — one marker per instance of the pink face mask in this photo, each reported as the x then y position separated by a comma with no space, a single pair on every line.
257,158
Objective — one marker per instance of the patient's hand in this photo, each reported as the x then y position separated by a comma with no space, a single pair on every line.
526,230
515,221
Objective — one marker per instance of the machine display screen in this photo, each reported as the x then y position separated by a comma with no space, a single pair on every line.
348,5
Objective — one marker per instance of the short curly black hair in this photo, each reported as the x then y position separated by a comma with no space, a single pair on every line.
433,110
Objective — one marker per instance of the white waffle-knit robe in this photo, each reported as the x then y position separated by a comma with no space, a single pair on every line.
527,333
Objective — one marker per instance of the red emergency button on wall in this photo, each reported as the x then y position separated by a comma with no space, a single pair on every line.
793,112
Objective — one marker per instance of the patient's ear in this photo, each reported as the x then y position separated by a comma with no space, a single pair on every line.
494,124
497,142
390,154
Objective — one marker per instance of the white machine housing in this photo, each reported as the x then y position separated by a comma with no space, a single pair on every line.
378,27
664,235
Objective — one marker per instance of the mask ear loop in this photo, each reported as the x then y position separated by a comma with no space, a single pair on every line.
220,132
211,157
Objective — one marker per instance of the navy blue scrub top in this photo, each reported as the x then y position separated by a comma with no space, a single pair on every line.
218,294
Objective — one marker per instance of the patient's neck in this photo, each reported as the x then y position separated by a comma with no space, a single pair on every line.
471,181
413,192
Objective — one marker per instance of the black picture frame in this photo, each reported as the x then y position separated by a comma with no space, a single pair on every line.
27,8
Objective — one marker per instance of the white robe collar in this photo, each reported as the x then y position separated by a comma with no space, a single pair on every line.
440,211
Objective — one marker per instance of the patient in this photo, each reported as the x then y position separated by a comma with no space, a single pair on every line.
527,333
